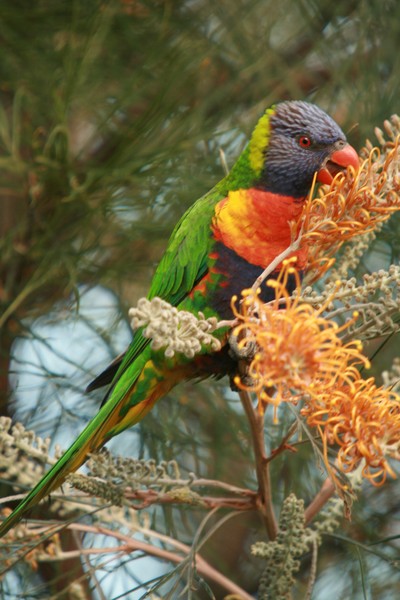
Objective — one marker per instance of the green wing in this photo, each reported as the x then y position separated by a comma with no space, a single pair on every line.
183,264
185,260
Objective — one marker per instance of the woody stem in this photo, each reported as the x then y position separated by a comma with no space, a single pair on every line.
256,422
326,492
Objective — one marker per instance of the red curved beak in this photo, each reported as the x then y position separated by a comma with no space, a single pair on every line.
338,162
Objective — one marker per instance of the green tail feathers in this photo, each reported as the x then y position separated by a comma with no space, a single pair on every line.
136,387
93,437
69,462
52,480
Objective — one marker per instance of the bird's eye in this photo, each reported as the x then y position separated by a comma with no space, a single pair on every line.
304,141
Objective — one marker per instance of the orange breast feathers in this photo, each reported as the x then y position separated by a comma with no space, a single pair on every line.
255,225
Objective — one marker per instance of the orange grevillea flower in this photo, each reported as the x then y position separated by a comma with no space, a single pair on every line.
363,420
298,349
299,354
355,203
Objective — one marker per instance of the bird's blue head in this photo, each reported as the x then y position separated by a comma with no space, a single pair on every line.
300,140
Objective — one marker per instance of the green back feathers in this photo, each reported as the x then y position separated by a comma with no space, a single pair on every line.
185,260
250,163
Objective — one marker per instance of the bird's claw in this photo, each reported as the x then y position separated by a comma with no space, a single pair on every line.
246,352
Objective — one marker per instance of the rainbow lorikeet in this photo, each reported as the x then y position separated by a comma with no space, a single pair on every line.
219,247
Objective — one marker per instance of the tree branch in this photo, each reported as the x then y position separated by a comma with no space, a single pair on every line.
131,545
326,492
265,506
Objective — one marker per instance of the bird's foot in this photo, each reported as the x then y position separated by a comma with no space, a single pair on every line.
237,352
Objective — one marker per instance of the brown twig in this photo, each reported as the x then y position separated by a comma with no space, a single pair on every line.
284,443
294,246
149,497
256,422
326,492
313,569
132,545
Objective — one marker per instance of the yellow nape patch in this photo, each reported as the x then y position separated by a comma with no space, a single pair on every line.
259,141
